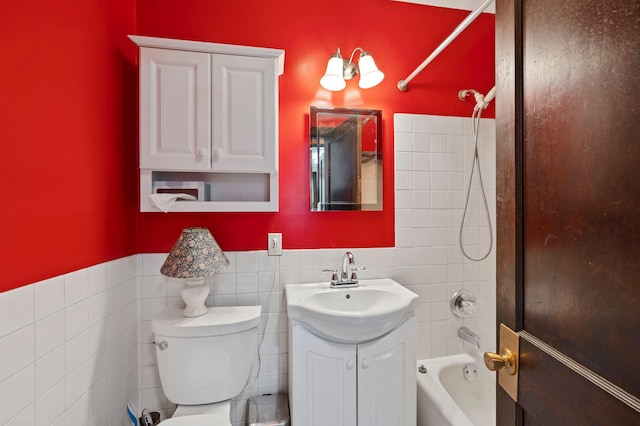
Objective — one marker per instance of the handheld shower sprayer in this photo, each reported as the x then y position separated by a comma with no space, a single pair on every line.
482,101
490,95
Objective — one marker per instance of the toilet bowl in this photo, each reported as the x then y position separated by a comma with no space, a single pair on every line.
217,414
205,361
197,420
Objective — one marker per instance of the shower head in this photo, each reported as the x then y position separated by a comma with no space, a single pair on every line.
464,93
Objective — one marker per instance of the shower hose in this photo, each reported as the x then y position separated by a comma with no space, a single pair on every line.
475,126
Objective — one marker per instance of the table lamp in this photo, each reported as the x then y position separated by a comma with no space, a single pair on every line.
195,256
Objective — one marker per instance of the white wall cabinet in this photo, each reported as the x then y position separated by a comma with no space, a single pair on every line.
366,384
175,110
208,113
245,127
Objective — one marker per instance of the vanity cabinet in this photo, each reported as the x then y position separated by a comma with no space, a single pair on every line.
364,384
208,114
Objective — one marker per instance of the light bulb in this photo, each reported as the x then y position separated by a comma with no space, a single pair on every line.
370,75
333,79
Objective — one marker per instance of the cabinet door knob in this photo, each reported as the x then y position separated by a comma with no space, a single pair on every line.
365,363
350,364
202,152
217,152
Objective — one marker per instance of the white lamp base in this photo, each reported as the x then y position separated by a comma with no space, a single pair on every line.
194,293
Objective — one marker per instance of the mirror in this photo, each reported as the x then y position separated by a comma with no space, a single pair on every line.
346,159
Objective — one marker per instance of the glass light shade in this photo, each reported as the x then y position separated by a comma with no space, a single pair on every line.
333,78
370,75
193,257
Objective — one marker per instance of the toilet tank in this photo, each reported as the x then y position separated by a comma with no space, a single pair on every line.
206,359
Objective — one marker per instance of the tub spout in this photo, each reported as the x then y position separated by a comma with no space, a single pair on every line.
469,336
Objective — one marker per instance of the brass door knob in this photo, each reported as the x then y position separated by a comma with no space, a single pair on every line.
505,359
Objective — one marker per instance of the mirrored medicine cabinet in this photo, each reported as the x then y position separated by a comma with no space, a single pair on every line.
345,159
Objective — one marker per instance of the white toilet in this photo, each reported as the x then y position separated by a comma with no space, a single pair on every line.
205,361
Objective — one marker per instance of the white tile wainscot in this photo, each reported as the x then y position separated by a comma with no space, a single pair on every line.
70,347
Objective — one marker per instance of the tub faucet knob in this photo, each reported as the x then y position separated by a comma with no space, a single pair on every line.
462,304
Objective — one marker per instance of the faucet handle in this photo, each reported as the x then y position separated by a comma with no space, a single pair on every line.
462,304
354,276
334,274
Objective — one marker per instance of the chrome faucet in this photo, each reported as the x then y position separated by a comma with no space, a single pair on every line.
347,267
469,336
348,276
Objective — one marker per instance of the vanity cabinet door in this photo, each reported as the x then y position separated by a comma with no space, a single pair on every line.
175,110
323,381
244,113
387,379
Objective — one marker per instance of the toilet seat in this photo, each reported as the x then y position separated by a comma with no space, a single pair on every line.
197,420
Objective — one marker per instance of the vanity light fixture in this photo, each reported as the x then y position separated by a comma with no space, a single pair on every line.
195,256
339,70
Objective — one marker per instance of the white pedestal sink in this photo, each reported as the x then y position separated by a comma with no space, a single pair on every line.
348,315
352,354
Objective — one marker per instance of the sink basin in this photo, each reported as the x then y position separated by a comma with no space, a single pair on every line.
350,315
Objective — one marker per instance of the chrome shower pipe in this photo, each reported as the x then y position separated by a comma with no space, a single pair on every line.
404,84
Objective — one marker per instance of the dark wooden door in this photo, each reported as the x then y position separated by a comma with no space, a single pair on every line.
568,120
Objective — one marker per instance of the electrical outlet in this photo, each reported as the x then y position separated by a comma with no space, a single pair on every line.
274,244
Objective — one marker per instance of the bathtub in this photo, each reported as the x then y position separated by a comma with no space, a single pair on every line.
456,390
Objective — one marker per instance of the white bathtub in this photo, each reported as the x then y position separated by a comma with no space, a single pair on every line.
446,397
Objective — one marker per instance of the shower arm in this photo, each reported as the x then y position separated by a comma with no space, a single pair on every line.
403,85
482,101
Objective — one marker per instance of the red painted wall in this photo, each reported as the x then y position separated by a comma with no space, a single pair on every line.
398,35
68,118
68,133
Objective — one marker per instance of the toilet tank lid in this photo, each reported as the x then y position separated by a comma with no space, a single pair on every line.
217,321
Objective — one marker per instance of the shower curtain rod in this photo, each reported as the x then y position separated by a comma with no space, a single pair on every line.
403,84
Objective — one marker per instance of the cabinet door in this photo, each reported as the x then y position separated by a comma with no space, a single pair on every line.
244,114
323,378
387,379
175,110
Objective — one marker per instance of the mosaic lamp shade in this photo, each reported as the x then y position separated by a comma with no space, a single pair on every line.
195,256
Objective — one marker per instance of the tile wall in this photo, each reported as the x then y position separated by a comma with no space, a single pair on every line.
79,346
69,348
434,157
